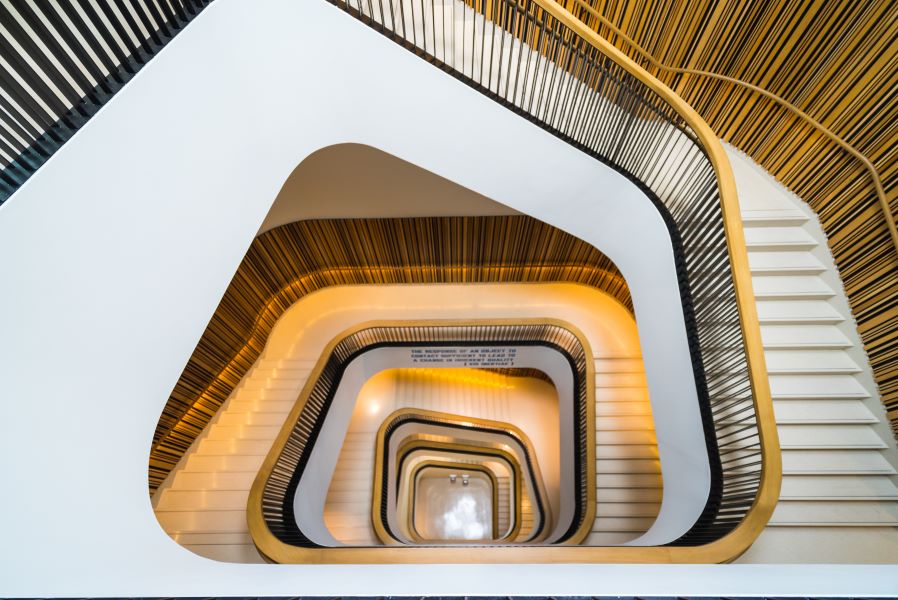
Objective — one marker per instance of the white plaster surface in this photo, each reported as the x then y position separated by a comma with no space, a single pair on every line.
117,251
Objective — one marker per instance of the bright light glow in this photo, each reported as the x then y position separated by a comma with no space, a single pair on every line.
463,520
452,512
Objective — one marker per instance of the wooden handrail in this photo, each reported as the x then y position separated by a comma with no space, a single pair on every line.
739,539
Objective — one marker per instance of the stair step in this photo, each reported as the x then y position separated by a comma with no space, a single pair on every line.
848,462
212,538
210,521
778,238
222,432
233,447
213,464
337,519
289,371
773,218
811,387
647,451
260,405
784,263
355,444
807,437
618,380
628,466
627,509
803,336
287,363
822,411
636,525
629,481
839,514
629,495
353,513
797,312
878,487
617,424
622,394
267,394
623,409
279,383
810,361
174,500
365,453
619,365
241,480
242,418
797,287
611,437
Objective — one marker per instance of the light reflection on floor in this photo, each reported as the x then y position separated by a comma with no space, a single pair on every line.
446,509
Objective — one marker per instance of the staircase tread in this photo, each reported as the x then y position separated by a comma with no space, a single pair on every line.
811,287
784,263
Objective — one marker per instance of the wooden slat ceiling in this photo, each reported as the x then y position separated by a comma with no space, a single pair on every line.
284,264
838,61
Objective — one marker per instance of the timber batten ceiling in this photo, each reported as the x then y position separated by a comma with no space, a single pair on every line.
286,263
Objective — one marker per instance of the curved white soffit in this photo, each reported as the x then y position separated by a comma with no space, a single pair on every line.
120,247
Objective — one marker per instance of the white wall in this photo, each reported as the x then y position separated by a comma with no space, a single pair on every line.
117,251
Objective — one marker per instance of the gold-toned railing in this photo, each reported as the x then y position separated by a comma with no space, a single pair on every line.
458,425
270,509
539,60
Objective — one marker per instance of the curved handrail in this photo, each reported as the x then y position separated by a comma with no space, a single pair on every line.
826,131
769,485
512,486
537,58
270,516
463,424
